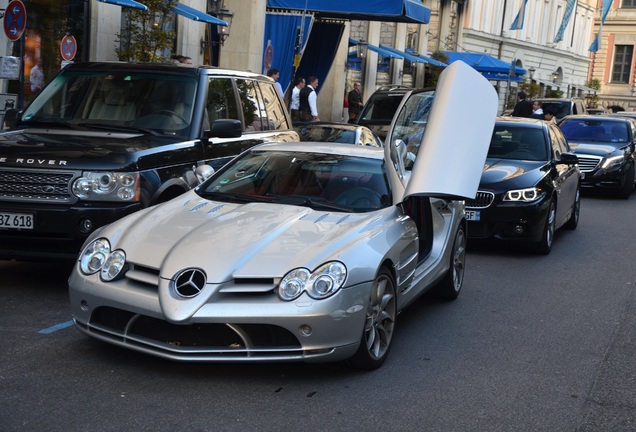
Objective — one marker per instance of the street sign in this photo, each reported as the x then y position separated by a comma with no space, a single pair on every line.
14,20
68,48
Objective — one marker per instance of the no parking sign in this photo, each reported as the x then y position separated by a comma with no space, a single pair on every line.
14,20
68,48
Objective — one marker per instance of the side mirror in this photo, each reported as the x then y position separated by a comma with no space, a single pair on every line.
203,172
569,159
224,128
12,118
398,154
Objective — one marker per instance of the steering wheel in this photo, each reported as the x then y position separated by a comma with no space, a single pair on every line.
183,121
359,198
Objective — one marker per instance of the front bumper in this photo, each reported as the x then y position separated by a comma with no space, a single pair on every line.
510,221
58,232
227,328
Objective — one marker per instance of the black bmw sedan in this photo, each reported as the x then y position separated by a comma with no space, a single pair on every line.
529,187
605,148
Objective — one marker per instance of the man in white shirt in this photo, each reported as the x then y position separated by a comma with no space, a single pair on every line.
294,104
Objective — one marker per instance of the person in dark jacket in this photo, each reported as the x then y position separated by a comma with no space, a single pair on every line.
308,109
523,108
354,98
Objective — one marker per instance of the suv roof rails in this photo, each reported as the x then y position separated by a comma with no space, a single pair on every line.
389,87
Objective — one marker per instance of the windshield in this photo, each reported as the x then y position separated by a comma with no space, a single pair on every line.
136,101
381,108
319,181
327,134
594,130
518,143
411,123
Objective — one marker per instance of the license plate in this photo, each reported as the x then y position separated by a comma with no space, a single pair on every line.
21,221
472,215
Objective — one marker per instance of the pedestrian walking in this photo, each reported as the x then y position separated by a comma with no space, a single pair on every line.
354,98
307,101
294,105
274,74
523,108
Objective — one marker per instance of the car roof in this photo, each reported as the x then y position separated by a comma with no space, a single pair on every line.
522,121
597,117
160,67
323,147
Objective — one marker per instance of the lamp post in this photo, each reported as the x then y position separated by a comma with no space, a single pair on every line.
363,47
531,71
555,76
223,32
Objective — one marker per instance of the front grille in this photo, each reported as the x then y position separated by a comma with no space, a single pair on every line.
482,200
588,163
38,186
199,341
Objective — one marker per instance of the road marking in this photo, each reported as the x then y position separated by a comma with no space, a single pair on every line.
56,327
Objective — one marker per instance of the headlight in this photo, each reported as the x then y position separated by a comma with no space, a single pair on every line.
94,256
107,186
523,195
97,257
323,282
113,266
613,161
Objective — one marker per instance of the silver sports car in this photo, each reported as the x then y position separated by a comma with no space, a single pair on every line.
296,251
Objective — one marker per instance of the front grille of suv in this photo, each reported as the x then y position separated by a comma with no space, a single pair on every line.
481,201
36,186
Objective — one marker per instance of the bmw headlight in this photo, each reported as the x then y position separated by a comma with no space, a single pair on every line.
323,282
97,257
613,161
107,186
523,195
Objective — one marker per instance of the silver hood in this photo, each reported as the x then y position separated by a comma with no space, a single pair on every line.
240,240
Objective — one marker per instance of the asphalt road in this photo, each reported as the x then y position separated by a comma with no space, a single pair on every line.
534,343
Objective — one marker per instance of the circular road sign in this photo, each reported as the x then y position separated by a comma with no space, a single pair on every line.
68,48
14,20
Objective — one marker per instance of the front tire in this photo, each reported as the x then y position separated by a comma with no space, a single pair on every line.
380,323
545,244
628,183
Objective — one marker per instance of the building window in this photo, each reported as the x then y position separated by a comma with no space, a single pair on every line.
628,4
622,63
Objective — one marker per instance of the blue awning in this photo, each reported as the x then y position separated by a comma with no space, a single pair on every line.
377,49
410,11
492,68
193,14
126,3
414,58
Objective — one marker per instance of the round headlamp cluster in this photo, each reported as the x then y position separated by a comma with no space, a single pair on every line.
323,282
98,257
523,195
107,186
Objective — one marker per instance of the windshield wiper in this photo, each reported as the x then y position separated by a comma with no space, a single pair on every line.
48,123
126,128
316,203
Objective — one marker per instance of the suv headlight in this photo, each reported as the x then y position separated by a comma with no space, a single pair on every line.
323,282
613,161
107,186
523,195
97,257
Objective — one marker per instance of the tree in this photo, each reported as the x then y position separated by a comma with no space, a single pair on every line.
592,98
146,35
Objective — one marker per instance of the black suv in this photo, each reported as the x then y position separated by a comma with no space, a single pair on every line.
563,107
377,113
103,140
